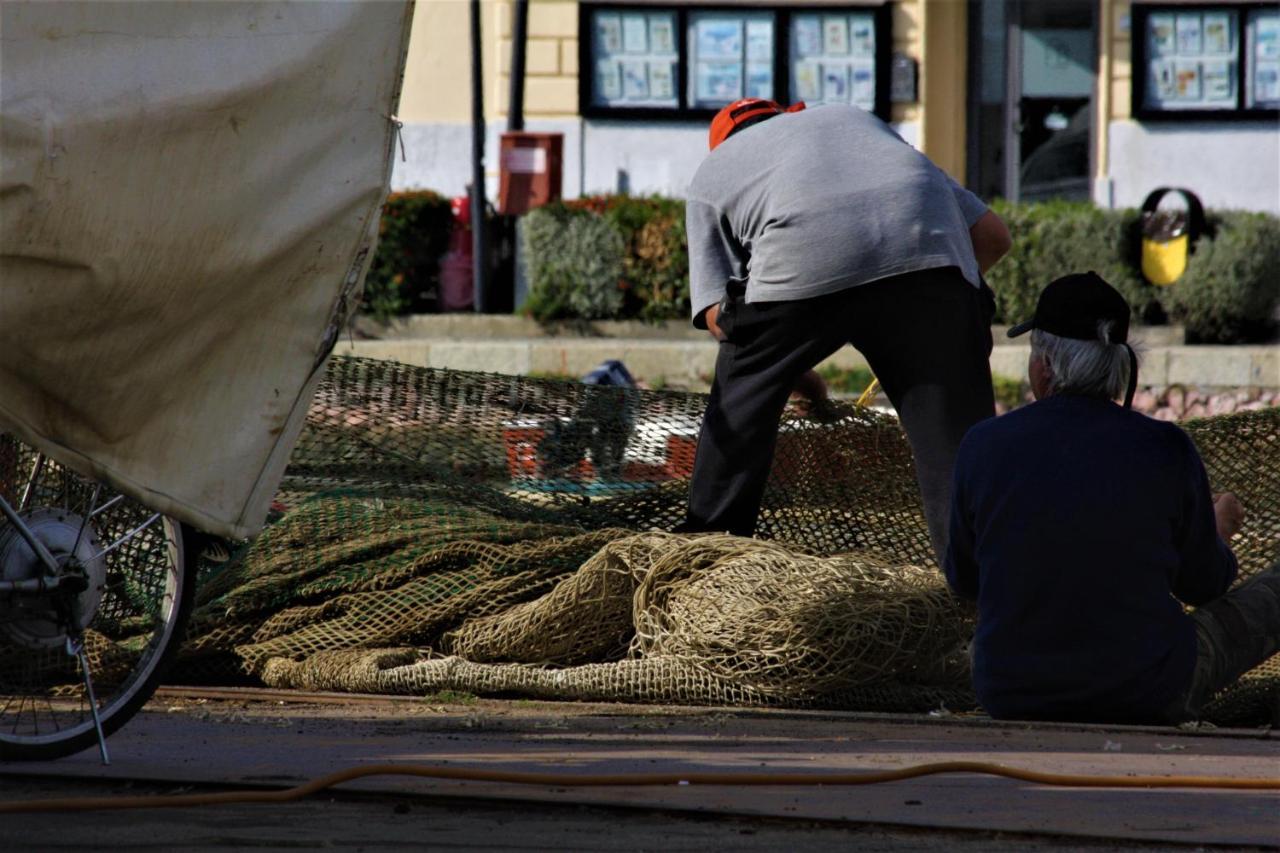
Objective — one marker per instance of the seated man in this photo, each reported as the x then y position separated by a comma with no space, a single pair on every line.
1076,523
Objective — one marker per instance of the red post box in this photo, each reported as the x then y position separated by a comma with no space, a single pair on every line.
530,171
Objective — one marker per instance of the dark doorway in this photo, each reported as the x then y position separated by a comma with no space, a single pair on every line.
1032,78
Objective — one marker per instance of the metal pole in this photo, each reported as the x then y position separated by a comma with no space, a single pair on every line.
479,236
519,30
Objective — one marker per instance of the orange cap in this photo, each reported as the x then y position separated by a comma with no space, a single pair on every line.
729,118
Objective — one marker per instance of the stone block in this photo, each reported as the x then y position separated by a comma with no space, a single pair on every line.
569,56
542,56
553,18
510,357
1212,366
554,95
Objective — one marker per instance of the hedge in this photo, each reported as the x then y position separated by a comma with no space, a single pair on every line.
621,257
413,235
1231,289
1051,239
607,257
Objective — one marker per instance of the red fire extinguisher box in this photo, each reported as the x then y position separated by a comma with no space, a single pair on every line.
530,171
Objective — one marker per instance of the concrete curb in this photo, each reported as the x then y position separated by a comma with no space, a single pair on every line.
676,354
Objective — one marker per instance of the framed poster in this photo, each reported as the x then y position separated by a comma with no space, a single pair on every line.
662,34
835,36
718,81
862,36
760,41
1187,80
662,81
1216,77
808,86
635,34
1266,84
635,80
759,80
1160,30
1188,30
1217,32
719,38
608,80
807,35
609,32
835,83
863,86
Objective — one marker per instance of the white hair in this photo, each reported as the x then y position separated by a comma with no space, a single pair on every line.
1095,368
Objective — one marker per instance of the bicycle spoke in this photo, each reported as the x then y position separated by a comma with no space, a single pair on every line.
132,533
37,468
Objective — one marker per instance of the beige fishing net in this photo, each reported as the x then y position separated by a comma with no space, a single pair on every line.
499,535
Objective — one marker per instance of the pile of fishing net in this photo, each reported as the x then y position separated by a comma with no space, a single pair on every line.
499,535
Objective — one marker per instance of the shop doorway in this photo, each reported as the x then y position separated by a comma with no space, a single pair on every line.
1032,82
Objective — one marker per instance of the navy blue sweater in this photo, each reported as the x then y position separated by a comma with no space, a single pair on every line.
1075,524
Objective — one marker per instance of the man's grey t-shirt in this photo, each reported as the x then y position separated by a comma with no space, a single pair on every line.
813,202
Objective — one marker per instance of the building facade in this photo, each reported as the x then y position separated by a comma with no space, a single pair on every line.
1022,99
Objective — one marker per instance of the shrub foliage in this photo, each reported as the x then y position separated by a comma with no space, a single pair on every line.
413,235
619,257
1231,288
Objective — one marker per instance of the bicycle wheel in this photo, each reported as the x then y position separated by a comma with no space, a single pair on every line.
130,618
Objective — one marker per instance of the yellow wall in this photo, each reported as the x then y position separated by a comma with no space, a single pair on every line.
437,75
943,73
1115,77
551,59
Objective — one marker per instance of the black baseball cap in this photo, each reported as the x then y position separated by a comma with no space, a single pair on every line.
1072,306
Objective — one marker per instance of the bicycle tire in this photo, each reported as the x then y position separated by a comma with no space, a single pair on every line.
162,599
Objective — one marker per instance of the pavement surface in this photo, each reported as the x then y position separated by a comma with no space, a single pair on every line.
183,743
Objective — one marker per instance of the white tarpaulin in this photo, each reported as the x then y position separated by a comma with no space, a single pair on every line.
189,194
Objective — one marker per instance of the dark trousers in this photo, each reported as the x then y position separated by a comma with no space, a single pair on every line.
927,337
1234,634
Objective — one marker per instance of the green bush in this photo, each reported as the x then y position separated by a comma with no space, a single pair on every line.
1231,287
1052,239
607,257
574,264
627,258
656,264
413,235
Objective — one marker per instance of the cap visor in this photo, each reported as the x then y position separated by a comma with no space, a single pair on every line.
1021,328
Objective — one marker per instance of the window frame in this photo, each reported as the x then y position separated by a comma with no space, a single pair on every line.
782,17
1141,14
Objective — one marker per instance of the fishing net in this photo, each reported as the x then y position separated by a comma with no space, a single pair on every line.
501,535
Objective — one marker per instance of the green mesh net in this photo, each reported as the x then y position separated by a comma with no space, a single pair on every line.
502,535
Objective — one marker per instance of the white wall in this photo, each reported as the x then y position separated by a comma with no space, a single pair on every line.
1227,164
644,159
438,156
598,156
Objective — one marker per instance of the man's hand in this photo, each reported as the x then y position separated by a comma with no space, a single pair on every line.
810,394
711,315
1229,514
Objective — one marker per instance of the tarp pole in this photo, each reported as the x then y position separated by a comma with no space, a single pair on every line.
479,228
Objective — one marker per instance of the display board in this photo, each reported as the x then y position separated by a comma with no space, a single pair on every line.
636,59
833,58
1195,61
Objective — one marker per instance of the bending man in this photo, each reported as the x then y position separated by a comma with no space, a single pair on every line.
810,229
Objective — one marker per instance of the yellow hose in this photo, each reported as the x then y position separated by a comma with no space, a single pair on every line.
866,397
572,780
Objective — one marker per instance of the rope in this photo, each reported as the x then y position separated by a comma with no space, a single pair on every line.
567,780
